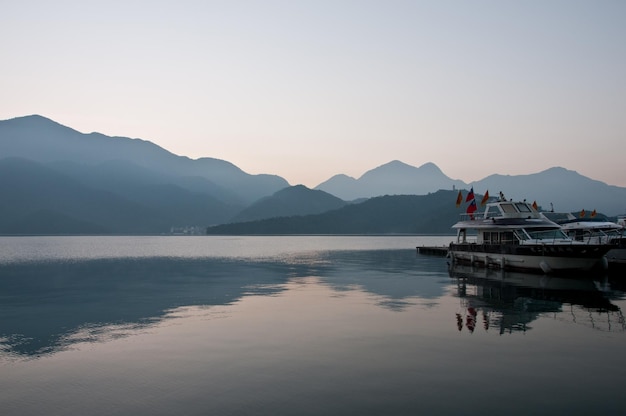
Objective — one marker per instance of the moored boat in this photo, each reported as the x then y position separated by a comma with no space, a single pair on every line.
595,230
514,235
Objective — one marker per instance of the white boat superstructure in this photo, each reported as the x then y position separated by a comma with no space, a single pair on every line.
514,235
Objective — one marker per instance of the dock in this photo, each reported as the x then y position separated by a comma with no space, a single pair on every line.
433,250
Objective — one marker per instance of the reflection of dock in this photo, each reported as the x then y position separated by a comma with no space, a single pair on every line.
433,250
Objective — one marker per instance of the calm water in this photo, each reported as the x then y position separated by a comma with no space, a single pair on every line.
297,326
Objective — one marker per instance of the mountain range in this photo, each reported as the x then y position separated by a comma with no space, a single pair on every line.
42,140
393,178
56,180
557,187
398,214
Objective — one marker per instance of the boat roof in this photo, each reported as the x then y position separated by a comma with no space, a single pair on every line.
503,214
570,222
591,225
559,217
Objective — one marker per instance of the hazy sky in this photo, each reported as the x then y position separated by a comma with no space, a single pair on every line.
310,89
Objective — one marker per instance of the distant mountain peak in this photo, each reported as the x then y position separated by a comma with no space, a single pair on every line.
32,118
392,178
342,176
394,162
36,121
399,167
293,200
396,168
43,140
430,166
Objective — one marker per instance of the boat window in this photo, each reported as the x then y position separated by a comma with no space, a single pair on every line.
523,207
507,237
508,208
490,237
547,234
493,211
521,234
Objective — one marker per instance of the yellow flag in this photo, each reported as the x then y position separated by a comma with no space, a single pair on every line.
582,213
593,213
485,198
459,199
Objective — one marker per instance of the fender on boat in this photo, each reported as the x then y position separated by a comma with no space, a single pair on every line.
604,263
545,267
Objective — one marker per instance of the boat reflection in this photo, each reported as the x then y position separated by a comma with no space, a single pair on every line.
507,302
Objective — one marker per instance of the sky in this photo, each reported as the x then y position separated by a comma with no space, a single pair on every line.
310,89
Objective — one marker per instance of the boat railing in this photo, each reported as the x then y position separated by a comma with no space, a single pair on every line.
597,236
473,216
616,237
552,234
552,237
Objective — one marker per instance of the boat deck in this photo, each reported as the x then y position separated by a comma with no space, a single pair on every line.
433,250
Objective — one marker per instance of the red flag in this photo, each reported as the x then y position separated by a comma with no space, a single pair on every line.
470,195
459,199
485,198
593,213
471,208
535,205
582,213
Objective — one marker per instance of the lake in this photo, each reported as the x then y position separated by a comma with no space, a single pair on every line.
304,325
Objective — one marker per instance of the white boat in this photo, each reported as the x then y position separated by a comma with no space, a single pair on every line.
596,231
514,235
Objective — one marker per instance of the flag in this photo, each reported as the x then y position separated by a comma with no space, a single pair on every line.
459,199
485,198
593,213
582,213
471,208
535,205
470,195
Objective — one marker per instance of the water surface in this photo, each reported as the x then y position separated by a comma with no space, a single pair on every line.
296,325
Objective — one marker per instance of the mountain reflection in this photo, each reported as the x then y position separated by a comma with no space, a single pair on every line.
392,275
509,301
47,306
43,303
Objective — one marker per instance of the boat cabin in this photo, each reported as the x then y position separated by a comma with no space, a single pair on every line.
510,210
507,222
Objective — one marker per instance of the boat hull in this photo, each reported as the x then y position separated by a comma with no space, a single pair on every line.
534,258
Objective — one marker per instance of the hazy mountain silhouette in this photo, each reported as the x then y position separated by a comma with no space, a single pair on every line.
184,200
295,200
399,214
56,180
567,190
432,214
393,178
39,200
42,140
